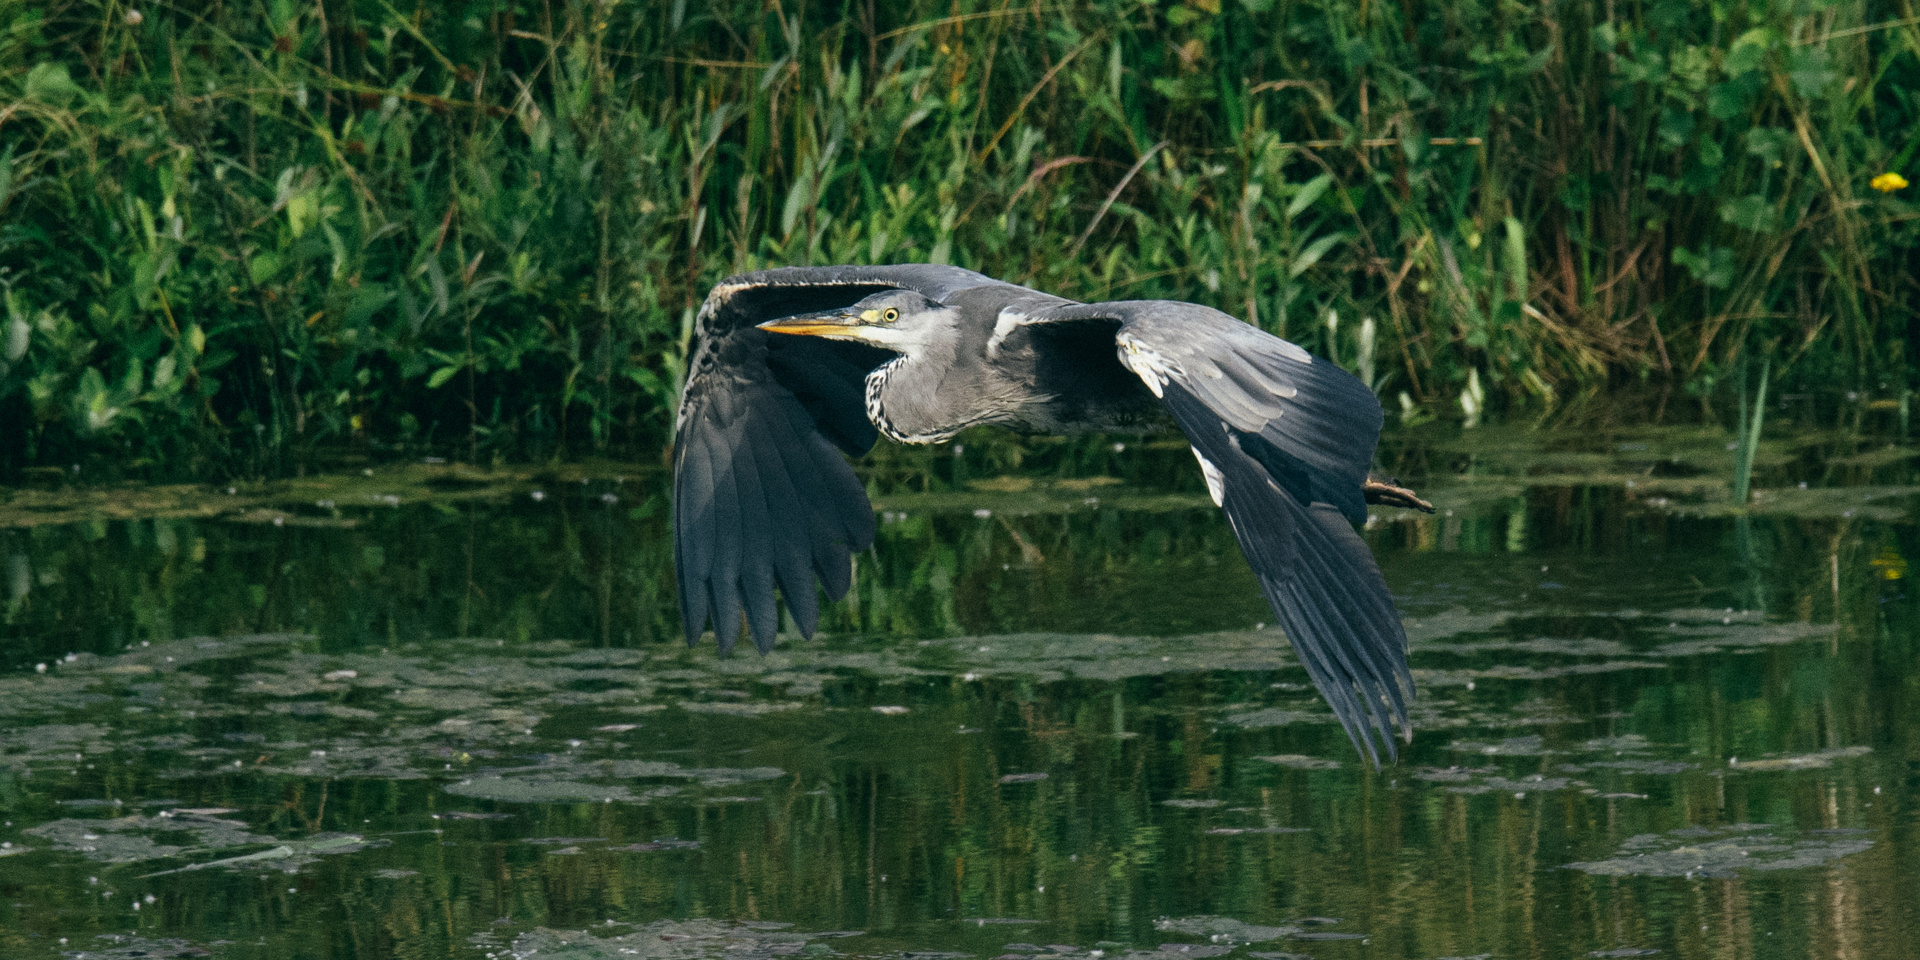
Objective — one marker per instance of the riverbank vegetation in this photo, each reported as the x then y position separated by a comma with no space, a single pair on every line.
235,237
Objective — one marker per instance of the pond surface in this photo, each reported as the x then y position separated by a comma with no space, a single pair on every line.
430,711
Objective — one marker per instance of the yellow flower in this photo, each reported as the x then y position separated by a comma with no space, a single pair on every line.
1888,182
1889,564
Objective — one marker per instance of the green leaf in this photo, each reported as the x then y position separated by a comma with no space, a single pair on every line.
1749,52
796,202
1771,144
441,376
1731,98
1516,266
280,13
1312,254
93,387
366,302
1811,70
1752,212
1676,126
1413,142
6,172
1356,53
437,278
303,209
18,336
1308,193
92,401
339,248
263,266
1712,266
50,84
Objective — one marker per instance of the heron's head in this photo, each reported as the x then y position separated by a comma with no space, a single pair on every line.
899,320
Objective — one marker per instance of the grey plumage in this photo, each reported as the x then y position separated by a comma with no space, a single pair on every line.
763,494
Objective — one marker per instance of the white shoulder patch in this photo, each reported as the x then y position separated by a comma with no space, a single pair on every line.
1216,484
1004,324
1148,364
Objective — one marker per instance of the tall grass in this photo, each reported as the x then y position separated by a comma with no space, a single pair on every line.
1747,433
231,237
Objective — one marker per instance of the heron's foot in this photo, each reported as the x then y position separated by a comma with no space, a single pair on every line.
1389,492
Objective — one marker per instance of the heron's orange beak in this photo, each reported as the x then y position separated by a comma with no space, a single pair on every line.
842,324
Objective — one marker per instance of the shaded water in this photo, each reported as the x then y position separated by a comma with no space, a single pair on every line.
435,712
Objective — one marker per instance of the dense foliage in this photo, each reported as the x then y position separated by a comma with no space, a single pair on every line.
232,236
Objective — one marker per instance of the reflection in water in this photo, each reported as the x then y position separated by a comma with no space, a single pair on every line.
320,722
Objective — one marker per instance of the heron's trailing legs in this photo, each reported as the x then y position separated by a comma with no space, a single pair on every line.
1389,492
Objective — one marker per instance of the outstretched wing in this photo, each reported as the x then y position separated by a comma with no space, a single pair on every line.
761,491
1285,441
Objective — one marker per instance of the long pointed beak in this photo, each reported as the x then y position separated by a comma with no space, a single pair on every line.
839,324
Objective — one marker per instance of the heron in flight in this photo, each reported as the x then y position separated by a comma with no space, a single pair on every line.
795,369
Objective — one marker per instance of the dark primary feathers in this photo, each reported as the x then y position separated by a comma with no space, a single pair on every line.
763,494
1290,439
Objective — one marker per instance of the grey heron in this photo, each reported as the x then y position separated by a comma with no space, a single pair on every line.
795,369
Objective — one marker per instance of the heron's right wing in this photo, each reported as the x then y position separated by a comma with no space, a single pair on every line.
1285,441
761,491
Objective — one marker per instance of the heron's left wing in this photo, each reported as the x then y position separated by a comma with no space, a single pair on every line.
1285,440
762,493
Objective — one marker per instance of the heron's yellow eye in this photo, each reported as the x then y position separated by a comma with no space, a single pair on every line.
891,315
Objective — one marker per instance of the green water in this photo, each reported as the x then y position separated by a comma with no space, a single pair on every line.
427,711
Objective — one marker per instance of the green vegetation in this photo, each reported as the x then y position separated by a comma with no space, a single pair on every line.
233,238
1747,434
